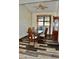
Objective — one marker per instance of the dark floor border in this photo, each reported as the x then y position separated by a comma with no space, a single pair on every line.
22,37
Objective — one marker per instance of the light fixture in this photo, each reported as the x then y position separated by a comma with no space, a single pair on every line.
41,6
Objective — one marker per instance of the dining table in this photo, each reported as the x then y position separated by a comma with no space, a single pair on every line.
36,33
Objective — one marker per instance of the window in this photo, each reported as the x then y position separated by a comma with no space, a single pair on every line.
43,22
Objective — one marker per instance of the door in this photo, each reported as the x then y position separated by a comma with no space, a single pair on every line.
55,28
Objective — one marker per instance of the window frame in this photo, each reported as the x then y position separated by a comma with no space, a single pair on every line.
44,21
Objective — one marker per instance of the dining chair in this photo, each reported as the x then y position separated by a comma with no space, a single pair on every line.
31,36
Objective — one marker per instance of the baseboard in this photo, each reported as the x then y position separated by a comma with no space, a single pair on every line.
22,37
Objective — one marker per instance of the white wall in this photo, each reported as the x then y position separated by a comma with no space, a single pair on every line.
28,19
25,18
34,18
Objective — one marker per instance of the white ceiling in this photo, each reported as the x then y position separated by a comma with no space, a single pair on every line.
53,6
29,1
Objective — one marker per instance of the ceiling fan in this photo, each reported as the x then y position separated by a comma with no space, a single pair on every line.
41,6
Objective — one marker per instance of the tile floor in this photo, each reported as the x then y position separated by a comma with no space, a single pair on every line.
40,51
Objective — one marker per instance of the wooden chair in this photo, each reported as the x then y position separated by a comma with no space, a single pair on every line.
31,36
46,32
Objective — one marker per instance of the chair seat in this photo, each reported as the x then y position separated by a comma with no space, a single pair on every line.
33,37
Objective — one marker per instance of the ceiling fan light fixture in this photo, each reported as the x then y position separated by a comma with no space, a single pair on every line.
41,6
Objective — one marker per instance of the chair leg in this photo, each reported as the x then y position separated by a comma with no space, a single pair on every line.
29,42
34,43
45,39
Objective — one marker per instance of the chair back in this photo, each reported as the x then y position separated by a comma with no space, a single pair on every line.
30,33
46,32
